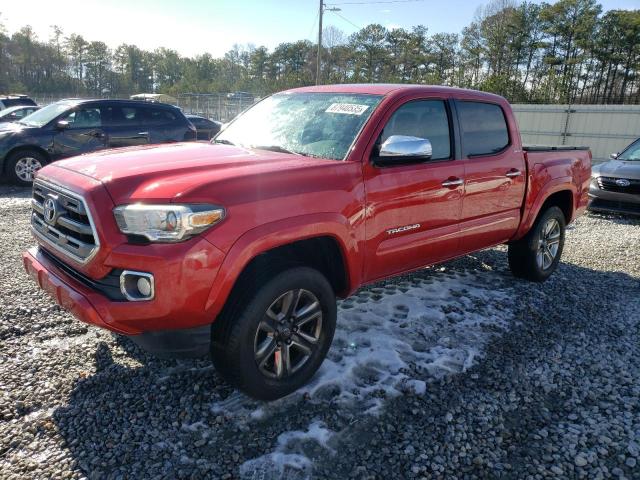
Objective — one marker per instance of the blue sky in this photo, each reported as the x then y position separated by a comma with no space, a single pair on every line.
198,26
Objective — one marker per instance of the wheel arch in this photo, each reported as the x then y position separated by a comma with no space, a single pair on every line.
561,193
322,241
20,148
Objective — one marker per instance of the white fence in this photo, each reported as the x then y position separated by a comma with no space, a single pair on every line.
603,128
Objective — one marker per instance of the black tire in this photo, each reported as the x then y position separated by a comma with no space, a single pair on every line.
524,253
236,333
22,165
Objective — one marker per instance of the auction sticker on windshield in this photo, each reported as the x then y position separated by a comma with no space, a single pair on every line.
348,108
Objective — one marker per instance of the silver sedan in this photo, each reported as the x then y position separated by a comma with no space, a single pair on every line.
615,185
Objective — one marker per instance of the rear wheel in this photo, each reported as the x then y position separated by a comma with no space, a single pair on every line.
536,256
274,338
22,166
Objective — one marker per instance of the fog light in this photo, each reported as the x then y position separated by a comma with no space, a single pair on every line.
137,286
144,286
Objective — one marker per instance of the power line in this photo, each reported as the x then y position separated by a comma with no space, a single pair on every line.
313,26
347,20
375,2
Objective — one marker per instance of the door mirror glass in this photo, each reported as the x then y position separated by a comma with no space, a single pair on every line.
398,149
613,156
62,125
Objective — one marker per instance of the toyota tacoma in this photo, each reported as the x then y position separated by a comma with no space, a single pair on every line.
239,247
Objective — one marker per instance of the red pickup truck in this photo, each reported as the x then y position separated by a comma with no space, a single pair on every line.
240,247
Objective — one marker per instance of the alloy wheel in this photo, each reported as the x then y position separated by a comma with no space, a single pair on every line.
288,334
548,243
26,168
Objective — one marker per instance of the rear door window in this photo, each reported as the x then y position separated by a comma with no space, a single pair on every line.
160,116
484,128
125,116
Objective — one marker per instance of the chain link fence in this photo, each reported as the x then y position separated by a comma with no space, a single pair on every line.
603,128
222,107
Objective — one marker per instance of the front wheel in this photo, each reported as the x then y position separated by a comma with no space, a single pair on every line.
536,256
22,166
272,340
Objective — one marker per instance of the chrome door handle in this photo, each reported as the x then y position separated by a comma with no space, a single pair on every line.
143,133
513,173
453,182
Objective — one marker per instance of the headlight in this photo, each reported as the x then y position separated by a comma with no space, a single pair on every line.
166,223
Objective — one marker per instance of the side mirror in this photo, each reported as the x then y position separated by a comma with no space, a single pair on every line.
62,125
614,156
403,149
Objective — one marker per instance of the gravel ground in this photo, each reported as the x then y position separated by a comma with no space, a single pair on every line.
543,383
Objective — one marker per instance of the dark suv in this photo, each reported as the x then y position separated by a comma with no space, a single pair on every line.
7,101
73,127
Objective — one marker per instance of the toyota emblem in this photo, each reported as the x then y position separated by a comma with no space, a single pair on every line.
623,182
50,212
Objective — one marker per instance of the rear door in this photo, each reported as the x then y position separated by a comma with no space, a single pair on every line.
414,210
494,172
84,132
163,125
125,126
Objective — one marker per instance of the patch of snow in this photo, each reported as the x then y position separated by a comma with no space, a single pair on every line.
391,338
288,460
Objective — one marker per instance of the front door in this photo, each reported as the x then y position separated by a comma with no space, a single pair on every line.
82,133
413,210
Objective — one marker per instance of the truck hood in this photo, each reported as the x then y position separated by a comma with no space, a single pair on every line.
618,169
181,171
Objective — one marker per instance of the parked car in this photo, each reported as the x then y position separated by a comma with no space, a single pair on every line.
206,129
72,127
243,97
7,101
241,246
155,97
615,185
13,114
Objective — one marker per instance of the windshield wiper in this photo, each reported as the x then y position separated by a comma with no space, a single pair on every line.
222,141
274,148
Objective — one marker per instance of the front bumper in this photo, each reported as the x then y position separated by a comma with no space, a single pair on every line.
174,323
617,202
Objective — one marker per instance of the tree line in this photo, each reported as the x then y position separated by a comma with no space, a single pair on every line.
569,51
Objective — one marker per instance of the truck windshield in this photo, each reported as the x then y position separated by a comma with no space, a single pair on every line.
320,125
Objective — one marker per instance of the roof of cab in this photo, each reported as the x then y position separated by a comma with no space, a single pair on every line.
389,88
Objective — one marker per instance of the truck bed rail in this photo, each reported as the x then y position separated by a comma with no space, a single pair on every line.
550,148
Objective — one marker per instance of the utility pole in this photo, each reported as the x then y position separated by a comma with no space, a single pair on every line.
321,11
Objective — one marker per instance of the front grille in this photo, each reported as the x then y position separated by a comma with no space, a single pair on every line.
609,184
60,218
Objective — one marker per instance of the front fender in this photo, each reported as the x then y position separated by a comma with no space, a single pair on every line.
282,232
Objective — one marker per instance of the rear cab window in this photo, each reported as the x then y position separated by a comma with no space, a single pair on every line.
483,128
